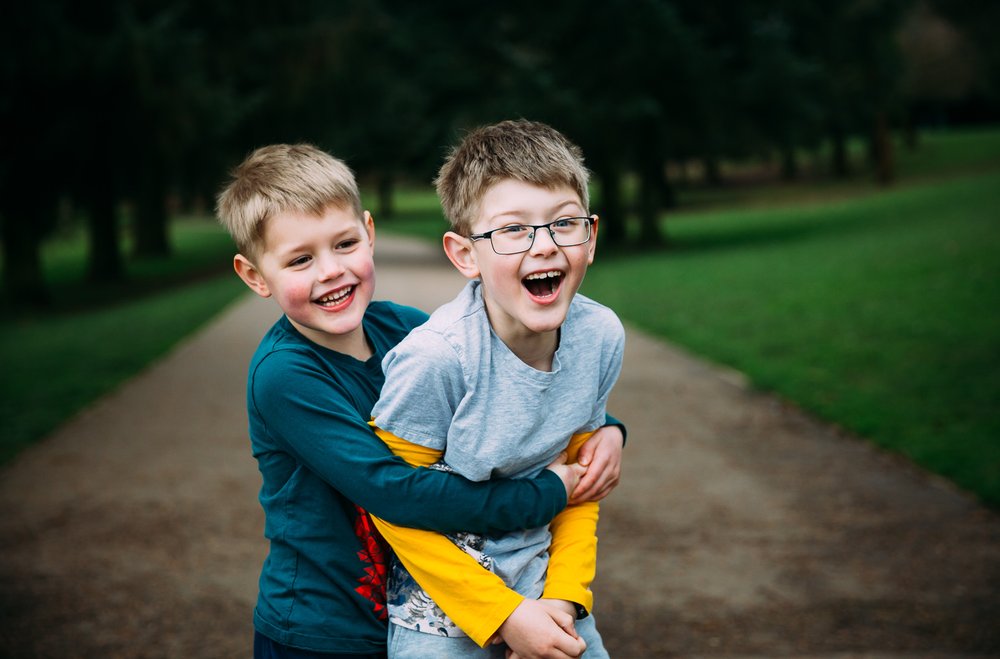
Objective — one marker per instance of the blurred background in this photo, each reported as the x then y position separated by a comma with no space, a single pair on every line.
805,191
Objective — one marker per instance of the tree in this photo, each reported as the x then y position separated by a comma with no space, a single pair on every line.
33,170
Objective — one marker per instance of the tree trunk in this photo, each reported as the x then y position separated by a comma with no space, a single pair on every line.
613,221
667,193
384,187
150,225
103,242
650,204
713,172
885,171
911,136
23,282
839,164
789,164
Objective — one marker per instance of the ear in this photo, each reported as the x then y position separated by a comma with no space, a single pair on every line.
461,254
592,246
250,275
369,223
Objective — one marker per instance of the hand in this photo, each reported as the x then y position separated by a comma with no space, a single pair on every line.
537,630
602,455
559,605
570,474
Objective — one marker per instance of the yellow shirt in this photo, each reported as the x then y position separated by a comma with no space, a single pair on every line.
477,600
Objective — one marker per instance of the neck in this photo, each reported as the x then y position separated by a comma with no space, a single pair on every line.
354,344
356,347
535,350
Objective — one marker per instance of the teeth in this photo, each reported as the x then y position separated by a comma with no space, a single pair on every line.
336,297
544,275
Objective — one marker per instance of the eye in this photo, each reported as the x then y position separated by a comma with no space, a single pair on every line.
565,223
348,244
512,230
299,260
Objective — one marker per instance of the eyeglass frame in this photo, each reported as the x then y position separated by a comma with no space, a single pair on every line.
488,235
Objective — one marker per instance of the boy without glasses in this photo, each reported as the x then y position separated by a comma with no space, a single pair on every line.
494,385
303,239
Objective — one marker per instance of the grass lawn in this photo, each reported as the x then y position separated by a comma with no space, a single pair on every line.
56,363
881,314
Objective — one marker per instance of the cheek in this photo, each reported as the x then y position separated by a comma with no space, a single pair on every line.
295,292
364,270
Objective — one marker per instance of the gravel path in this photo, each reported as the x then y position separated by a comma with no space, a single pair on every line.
742,528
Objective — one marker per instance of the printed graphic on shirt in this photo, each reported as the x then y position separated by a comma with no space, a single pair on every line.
373,556
411,607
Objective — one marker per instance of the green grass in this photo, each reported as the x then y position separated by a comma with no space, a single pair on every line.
881,313
95,337
200,249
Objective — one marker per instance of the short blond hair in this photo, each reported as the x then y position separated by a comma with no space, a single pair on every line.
522,150
283,178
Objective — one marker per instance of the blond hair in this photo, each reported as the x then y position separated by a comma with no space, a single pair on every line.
282,178
522,150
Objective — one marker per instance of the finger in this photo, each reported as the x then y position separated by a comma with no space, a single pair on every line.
589,485
586,453
564,620
572,646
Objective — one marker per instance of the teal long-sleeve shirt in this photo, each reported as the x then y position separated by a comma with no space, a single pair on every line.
322,583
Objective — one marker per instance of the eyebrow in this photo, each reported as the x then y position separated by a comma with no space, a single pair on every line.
307,247
522,214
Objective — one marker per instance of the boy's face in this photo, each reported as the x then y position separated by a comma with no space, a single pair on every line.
320,271
520,302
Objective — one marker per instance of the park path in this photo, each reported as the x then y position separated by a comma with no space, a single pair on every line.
742,528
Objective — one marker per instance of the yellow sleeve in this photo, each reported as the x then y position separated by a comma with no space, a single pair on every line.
477,600
573,552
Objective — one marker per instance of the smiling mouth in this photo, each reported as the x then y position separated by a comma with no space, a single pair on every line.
543,284
335,298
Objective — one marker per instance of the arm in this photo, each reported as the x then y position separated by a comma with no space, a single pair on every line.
573,551
602,455
477,600
612,421
317,423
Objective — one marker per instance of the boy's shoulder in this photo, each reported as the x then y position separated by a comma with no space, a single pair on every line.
385,324
585,310
454,320
452,330
392,315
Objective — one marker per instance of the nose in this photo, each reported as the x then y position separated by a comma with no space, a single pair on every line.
543,241
330,267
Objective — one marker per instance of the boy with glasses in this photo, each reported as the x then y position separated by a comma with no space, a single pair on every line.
498,382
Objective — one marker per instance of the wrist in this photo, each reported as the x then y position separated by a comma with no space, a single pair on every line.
552,482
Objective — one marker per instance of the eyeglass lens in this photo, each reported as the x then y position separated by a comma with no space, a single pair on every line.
565,232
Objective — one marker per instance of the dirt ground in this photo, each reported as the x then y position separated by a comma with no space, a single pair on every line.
742,528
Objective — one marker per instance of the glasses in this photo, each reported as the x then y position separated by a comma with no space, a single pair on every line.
517,238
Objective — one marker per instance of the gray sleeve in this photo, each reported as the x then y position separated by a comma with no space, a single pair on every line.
612,354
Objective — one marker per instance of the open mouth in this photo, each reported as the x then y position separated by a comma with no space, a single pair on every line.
543,284
336,298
